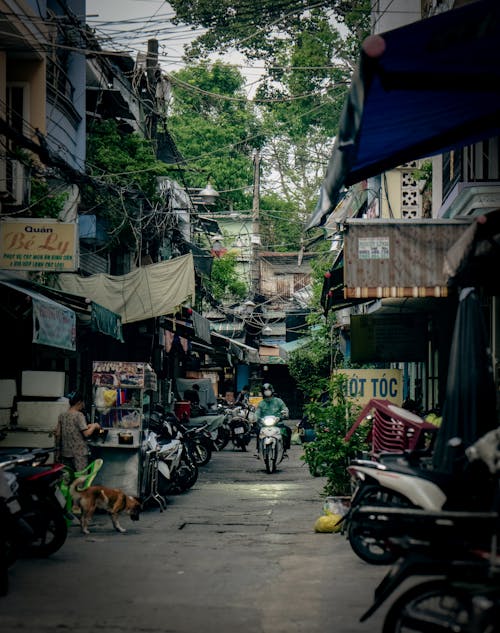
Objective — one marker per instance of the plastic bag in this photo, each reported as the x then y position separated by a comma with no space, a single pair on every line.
109,396
327,523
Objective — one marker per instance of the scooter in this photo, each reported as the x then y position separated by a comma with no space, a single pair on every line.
271,447
457,551
43,505
241,426
177,468
404,480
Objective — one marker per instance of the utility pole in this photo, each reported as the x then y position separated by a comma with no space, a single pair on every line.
255,238
152,80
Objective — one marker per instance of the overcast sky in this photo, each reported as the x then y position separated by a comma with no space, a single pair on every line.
130,23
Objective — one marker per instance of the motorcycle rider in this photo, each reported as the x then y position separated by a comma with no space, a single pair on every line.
272,405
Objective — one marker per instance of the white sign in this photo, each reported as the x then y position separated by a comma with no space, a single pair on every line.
365,384
373,248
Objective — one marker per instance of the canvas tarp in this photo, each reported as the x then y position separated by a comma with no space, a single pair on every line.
144,293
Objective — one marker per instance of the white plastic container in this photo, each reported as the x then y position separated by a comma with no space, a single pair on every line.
44,384
40,415
28,439
8,391
5,417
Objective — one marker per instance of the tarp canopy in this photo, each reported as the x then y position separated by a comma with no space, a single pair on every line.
53,323
144,293
419,90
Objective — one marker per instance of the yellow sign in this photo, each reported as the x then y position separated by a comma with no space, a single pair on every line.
38,244
365,384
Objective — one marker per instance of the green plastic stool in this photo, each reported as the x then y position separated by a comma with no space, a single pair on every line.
69,476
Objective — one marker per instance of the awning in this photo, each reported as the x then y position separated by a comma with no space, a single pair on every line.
240,350
98,318
391,258
53,323
422,89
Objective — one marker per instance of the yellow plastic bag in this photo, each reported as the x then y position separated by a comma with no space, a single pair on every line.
327,523
109,397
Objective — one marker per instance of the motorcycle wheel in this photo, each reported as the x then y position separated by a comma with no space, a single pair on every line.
202,453
432,605
50,530
222,439
4,563
186,476
365,546
270,459
4,574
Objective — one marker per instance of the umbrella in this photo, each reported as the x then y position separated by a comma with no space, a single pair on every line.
470,404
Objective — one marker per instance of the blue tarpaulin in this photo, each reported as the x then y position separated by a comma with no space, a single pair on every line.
419,90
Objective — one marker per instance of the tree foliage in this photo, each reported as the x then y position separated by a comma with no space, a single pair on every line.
224,283
124,170
332,415
215,130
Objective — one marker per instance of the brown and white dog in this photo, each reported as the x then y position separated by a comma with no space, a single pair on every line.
112,500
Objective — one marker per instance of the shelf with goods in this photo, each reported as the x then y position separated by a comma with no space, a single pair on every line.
120,400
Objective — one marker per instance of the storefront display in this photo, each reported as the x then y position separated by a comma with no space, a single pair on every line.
119,403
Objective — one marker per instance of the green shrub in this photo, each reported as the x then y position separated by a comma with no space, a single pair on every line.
328,455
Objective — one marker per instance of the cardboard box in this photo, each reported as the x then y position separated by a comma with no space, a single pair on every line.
40,415
44,384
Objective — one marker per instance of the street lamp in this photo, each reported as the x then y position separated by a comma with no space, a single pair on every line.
208,194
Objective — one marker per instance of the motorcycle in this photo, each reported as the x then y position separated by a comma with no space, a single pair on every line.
404,480
177,468
271,446
11,526
240,426
43,505
198,438
455,550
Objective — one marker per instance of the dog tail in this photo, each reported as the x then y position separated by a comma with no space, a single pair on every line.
74,488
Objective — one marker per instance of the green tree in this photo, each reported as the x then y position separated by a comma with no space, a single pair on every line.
308,60
215,129
225,283
124,172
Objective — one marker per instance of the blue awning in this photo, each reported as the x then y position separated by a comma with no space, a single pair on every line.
422,89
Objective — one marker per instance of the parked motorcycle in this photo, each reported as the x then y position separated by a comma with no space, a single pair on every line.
271,447
41,501
405,480
10,523
240,426
198,438
457,552
177,468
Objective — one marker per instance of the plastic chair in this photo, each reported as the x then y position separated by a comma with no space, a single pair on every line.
89,472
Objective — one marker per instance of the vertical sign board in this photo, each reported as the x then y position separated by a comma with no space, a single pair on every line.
38,244
365,384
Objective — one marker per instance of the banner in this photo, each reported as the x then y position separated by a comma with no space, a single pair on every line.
53,324
38,244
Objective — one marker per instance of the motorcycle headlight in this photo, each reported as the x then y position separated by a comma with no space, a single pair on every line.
269,420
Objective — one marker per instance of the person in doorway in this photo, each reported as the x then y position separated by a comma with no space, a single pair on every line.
243,396
193,395
272,405
71,432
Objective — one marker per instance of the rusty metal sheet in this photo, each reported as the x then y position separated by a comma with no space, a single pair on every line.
398,258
